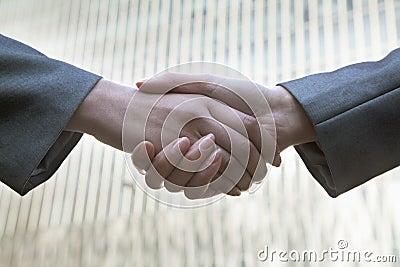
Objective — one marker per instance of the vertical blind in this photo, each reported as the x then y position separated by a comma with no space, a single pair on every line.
92,214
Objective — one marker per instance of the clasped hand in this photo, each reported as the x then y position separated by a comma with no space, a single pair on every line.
208,135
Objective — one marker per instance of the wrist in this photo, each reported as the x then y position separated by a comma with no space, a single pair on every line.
101,113
293,127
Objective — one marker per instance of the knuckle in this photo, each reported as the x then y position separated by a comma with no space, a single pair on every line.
223,185
244,184
171,187
250,123
153,181
192,193
260,172
211,87
166,76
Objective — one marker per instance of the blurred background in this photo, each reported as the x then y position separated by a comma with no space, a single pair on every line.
92,214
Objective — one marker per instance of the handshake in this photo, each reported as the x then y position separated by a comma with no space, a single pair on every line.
198,133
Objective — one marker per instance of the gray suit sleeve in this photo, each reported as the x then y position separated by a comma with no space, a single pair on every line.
356,114
38,96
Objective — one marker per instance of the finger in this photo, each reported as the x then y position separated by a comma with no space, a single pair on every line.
234,92
235,169
248,127
165,82
198,184
256,161
142,156
235,192
253,131
221,184
244,152
162,166
277,158
260,173
210,192
198,154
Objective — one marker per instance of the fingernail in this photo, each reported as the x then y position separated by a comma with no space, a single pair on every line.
207,142
277,161
141,82
182,142
217,156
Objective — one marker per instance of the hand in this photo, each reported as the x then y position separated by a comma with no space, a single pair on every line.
200,116
292,124
101,115
194,185
161,83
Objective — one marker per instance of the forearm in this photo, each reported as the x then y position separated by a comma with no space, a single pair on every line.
355,113
102,112
38,96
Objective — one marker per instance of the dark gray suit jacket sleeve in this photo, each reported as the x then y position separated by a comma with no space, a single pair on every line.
356,114
38,96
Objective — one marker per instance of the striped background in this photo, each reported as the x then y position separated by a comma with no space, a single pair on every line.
91,214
